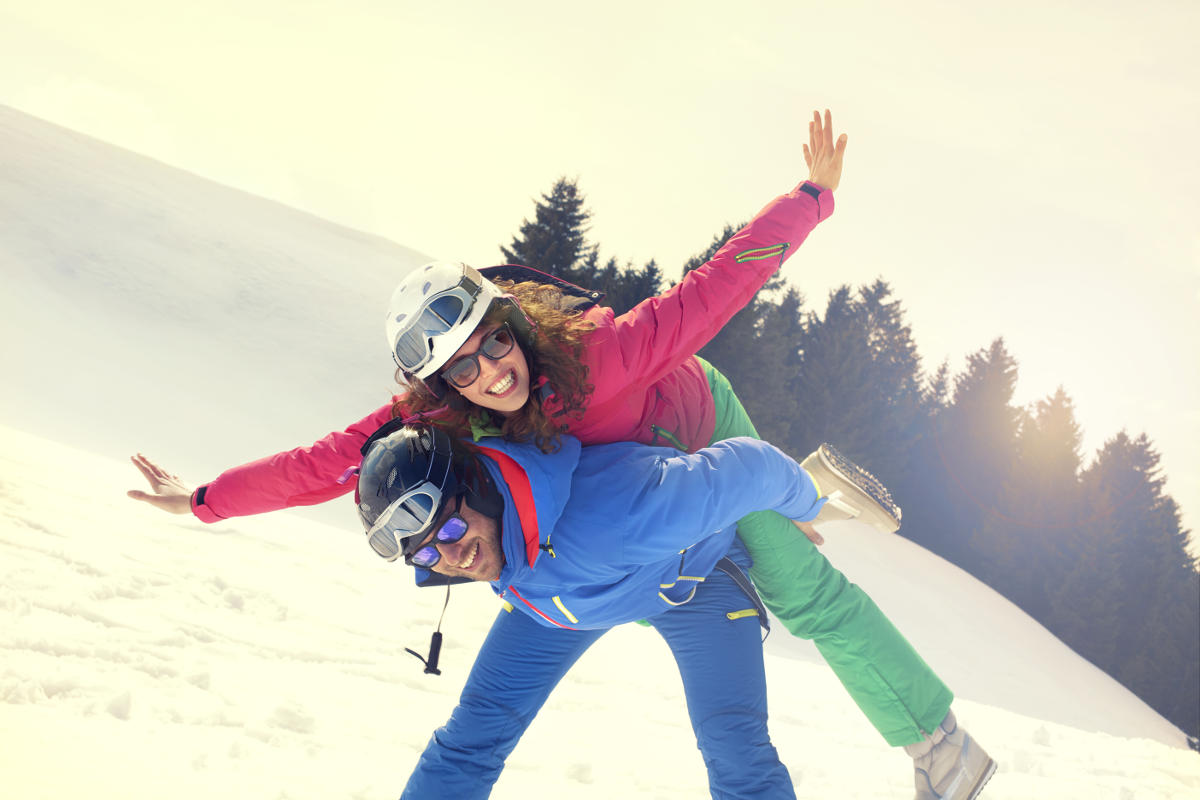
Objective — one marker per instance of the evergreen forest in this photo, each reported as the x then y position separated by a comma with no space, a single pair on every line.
1091,547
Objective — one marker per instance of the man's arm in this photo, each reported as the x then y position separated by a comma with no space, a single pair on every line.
668,501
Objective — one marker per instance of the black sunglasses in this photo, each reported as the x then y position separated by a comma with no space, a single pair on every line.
495,346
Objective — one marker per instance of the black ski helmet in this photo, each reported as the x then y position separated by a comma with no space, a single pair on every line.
400,460
408,474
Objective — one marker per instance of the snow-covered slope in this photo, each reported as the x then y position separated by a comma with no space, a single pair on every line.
982,645
147,656
147,309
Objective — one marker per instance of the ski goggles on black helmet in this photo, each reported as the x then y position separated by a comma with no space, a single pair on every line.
438,314
406,478
407,521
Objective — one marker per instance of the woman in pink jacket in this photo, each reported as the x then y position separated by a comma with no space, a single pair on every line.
532,359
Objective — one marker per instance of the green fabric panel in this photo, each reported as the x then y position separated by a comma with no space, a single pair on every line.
886,677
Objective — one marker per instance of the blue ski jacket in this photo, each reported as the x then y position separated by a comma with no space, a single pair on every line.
601,535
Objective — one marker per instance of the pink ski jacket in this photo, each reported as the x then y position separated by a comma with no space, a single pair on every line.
649,386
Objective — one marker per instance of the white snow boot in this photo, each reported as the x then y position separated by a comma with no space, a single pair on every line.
949,764
853,492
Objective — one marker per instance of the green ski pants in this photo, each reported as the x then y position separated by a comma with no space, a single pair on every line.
890,682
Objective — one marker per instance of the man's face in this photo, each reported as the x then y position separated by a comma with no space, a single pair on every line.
478,555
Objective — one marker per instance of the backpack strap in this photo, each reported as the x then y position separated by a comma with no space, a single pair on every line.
735,572
575,298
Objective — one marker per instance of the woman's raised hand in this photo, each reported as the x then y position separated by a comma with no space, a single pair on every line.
824,158
170,493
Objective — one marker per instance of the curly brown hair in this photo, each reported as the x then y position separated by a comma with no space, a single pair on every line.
554,354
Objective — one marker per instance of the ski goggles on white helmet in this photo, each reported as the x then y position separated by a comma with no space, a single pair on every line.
437,314
433,311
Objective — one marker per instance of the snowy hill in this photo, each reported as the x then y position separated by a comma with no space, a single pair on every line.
144,306
147,656
148,309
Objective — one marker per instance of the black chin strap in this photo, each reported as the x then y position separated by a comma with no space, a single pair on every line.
435,643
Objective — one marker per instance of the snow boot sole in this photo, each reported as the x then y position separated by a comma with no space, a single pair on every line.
853,492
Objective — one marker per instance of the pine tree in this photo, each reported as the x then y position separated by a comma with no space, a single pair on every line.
641,284
1026,552
859,381
625,287
769,396
922,490
835,358
1130,602
556,240
969,454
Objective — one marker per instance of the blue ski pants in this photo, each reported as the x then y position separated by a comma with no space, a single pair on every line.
521,661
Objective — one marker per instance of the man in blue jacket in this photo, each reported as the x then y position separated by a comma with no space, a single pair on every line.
577,541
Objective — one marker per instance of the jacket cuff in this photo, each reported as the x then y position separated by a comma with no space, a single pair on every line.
200,510
824,198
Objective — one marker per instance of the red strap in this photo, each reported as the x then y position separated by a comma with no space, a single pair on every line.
522,495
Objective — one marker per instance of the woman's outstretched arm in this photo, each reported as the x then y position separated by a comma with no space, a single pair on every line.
660,333
302,476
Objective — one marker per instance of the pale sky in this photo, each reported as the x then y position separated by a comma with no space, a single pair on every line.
1025,170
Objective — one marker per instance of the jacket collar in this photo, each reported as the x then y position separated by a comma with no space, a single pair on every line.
536,487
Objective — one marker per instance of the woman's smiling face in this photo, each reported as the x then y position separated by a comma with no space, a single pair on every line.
502,384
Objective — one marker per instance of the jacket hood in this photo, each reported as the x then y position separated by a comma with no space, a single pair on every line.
536,487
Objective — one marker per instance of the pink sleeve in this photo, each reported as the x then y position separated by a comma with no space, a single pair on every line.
658,334
301,477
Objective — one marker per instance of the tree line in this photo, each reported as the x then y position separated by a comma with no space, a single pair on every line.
1093,551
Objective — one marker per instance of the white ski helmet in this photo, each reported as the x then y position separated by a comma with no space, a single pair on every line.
433,311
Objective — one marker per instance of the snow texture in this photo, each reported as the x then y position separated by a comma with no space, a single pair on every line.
148,656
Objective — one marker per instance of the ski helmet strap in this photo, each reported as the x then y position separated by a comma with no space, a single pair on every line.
435,643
